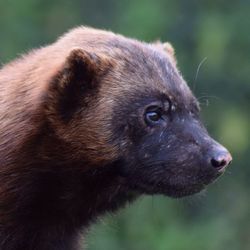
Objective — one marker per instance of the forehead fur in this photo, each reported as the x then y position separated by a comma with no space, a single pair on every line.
140,67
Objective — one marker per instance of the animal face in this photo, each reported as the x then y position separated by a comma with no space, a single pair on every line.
169,150
144,118
165,149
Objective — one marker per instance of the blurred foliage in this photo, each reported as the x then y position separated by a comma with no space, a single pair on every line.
213,32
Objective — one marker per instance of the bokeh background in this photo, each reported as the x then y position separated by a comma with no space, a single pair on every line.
212,43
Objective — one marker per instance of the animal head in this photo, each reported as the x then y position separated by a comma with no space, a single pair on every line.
123,102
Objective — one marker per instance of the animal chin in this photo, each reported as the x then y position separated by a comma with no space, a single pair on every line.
174,191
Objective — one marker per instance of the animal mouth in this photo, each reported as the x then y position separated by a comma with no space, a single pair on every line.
174,190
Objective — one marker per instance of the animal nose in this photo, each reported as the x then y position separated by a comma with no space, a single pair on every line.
221,159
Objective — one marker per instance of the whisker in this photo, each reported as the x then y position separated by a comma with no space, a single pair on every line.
208,96
198,70
204,99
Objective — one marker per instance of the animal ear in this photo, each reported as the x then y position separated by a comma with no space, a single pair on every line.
168,48
78,79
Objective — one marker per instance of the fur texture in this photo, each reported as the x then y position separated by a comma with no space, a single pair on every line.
88,124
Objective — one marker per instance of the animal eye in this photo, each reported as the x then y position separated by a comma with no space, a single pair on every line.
153,116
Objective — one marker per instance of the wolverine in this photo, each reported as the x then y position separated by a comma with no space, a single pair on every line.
88,124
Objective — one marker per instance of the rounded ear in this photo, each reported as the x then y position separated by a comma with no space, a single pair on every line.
168,48
78,78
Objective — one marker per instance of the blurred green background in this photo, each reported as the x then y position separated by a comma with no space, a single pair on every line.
215,32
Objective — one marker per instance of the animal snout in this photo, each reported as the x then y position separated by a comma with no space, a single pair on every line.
220,158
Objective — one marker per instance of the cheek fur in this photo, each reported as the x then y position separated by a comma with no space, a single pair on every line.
171,159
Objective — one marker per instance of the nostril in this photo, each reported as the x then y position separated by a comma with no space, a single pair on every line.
218,163
221,161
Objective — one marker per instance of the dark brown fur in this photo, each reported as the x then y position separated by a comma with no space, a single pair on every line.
65,151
